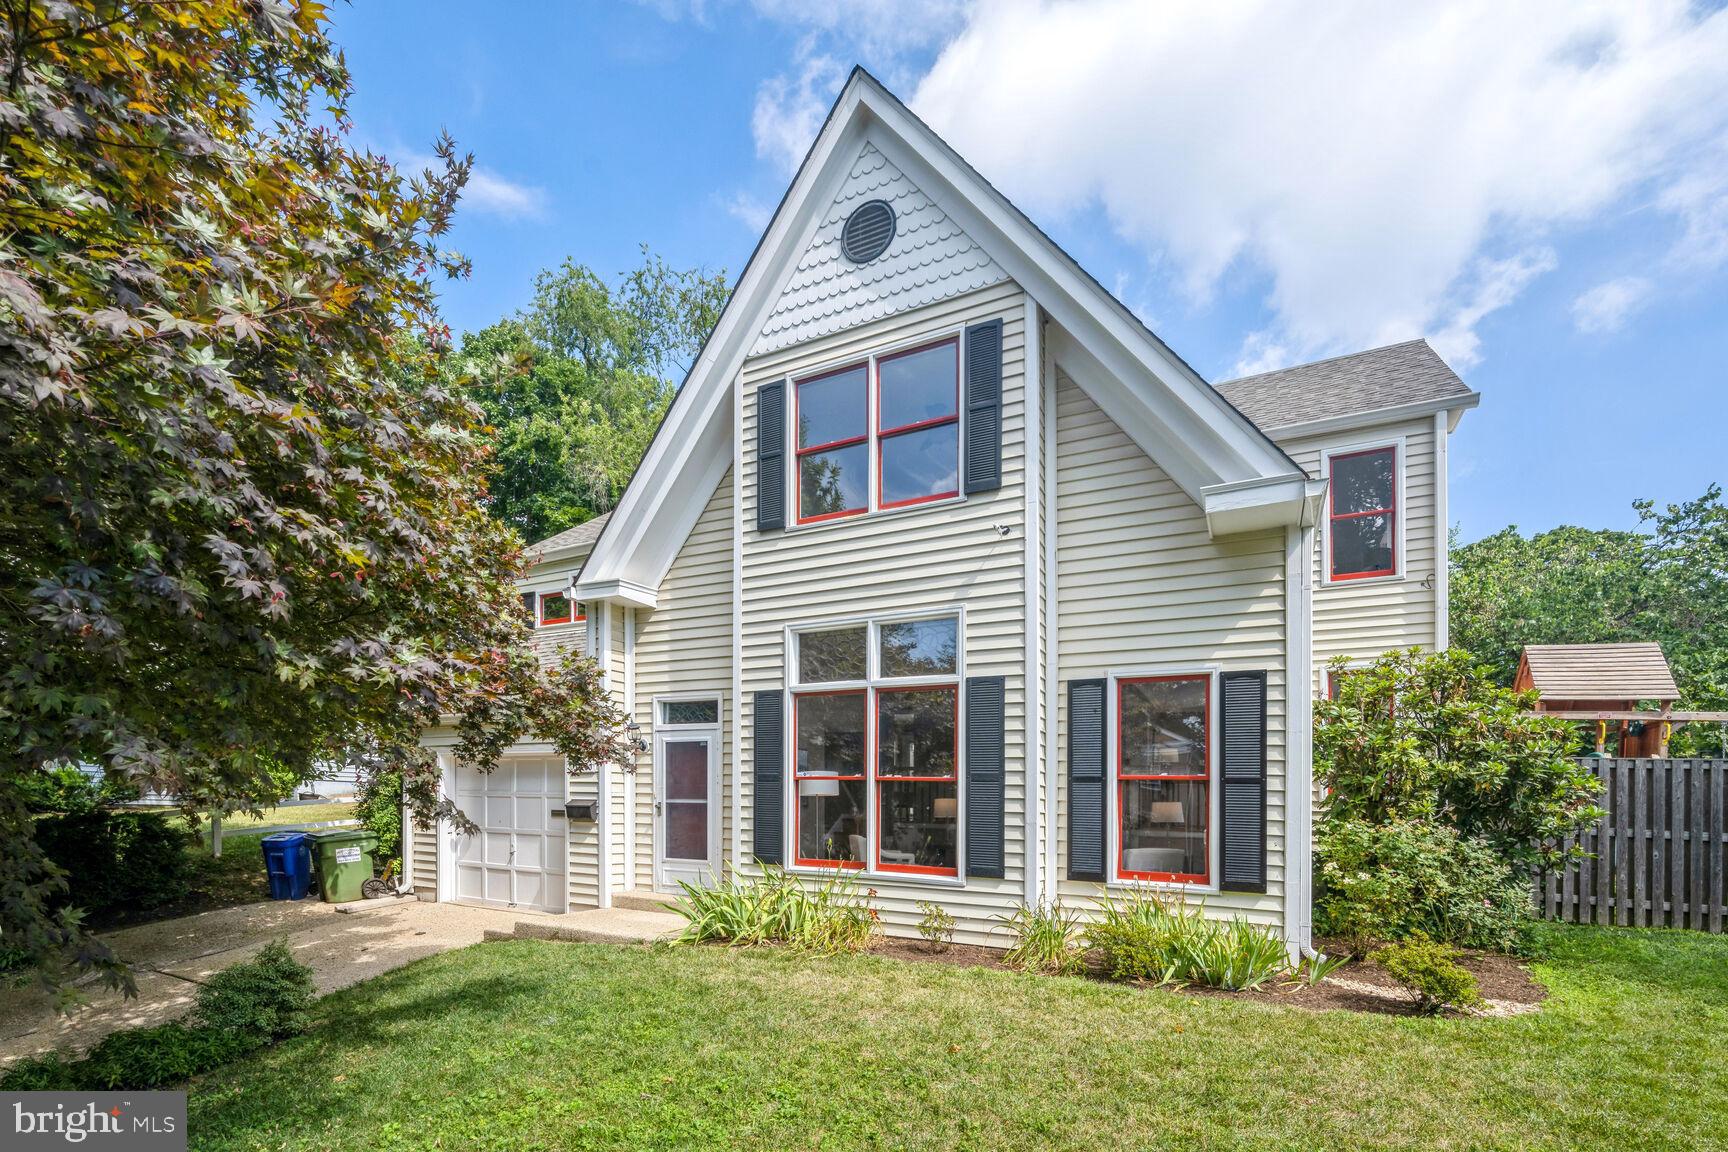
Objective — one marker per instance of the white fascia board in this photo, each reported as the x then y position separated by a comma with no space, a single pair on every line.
1255,506
693,447
1349,421
550,582
616,592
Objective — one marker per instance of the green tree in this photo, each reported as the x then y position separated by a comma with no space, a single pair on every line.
1667,583
243,518
1420,736
574,387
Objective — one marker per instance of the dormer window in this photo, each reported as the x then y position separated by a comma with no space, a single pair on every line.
881,434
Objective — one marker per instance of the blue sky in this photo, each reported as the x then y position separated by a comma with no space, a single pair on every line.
1542,191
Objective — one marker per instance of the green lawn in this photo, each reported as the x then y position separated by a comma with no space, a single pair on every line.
529,1045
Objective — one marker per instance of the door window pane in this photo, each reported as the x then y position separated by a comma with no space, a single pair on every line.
833,481
686,830
831,822
830,734
832,408
921,465
827,657
916,734
686,770
1163,730
919,647
919,386
920,825
1164,829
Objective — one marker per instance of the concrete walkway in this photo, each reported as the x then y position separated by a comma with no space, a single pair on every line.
342,944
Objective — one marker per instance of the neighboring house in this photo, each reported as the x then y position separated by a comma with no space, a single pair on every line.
947,573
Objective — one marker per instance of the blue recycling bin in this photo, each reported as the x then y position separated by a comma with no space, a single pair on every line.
288,864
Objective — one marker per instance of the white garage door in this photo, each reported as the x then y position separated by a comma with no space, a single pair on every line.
516,857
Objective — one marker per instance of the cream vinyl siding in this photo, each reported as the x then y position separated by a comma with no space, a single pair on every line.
1360,619
920,558
1140,584
685,646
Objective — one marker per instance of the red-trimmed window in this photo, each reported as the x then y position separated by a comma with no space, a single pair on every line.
557,608
829,736
876,733
1362,529
833,444
1164,778
918,425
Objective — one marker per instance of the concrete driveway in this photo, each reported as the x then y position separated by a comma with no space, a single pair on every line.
173,956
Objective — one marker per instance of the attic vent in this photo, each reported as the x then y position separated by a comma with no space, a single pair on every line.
868,231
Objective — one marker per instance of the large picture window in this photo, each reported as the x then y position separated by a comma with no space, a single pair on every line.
877,739
1164,778
880,434
1362,527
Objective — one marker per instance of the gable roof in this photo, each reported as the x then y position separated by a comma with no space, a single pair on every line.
1217,455
1397,376
1599,672
578,540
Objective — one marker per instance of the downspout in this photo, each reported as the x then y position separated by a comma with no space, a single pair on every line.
600,638
1052,687
1299,741
629,777
1031,845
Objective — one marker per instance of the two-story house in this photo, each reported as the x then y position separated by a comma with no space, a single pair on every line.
946,572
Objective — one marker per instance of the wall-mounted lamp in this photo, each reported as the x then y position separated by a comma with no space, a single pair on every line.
633,730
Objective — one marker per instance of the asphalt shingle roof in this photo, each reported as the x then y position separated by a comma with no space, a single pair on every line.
1398,374
584,533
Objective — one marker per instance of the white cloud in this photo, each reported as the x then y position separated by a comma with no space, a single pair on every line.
748,211
1374,163
1606,307
491,194
790,109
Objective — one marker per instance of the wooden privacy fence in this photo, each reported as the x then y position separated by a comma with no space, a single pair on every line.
1657,858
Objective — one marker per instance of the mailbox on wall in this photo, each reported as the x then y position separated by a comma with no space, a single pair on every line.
581,811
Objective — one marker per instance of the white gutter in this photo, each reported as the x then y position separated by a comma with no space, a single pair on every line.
1033,386
1299,740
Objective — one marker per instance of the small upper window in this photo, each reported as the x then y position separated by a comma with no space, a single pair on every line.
1363,524
557,608
833,444
690,712
918,425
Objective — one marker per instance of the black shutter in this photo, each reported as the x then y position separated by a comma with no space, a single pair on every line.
768,785
1086,779
984,407
530,601
984,773
1244,782
771,457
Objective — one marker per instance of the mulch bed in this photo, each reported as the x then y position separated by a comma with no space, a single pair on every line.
1360,986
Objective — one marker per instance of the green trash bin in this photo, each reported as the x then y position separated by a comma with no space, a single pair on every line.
343,858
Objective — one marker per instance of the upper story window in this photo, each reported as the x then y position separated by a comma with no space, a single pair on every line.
1362,525
876,738
557,608
1164,778
881,434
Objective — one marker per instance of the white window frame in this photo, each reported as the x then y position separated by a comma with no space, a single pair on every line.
1400,512
577,615
1113,782
872,441
873,680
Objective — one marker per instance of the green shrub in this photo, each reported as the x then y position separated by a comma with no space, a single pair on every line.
65,789
1046,939
260,1001
1380,882
158,1057
936,926
117,860
49,1072
379,810
777,908
1430,970
1147,937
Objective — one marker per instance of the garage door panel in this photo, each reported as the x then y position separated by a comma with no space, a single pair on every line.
516,858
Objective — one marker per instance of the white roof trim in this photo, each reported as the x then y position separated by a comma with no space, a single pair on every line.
616,591
1203,440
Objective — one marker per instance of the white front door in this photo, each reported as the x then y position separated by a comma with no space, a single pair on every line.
515,857
686,808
